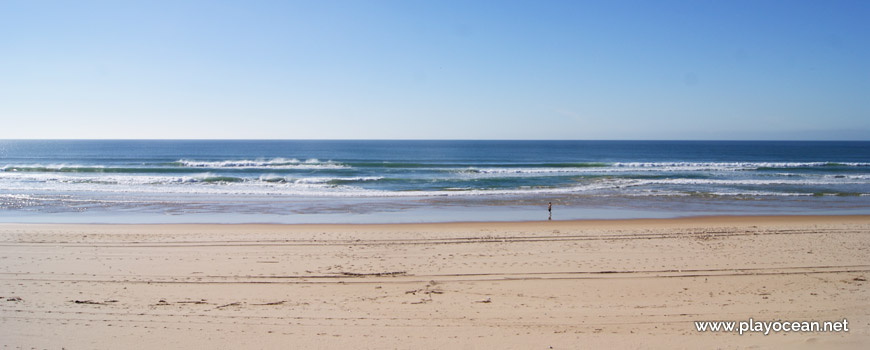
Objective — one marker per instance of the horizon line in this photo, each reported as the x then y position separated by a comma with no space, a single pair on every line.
388,139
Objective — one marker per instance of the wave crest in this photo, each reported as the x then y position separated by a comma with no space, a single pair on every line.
279,163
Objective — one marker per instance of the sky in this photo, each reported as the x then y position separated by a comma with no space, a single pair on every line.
697,70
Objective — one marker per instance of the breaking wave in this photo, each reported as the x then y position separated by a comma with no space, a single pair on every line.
271,163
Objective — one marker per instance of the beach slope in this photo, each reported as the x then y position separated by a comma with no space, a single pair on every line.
560,284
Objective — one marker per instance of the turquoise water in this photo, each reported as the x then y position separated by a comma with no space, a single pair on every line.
407,181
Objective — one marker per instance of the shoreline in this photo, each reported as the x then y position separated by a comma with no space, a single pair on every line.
740,218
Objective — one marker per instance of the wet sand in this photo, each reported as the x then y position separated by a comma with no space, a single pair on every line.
560,284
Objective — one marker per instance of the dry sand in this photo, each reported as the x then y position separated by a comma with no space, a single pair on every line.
533,285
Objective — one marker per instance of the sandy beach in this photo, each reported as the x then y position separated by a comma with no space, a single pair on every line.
525,285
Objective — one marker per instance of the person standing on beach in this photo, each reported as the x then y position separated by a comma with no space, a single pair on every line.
550,210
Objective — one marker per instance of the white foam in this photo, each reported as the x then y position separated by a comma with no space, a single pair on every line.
527,170
275,163
327,186
851,177
63,198
753,182
55,166
762,193
294,187
323,180
620,167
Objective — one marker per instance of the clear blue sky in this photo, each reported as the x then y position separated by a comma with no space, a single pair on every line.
435,70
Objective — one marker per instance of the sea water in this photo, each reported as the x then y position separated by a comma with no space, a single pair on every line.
413,181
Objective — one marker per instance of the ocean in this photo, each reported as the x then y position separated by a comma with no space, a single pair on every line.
229,181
